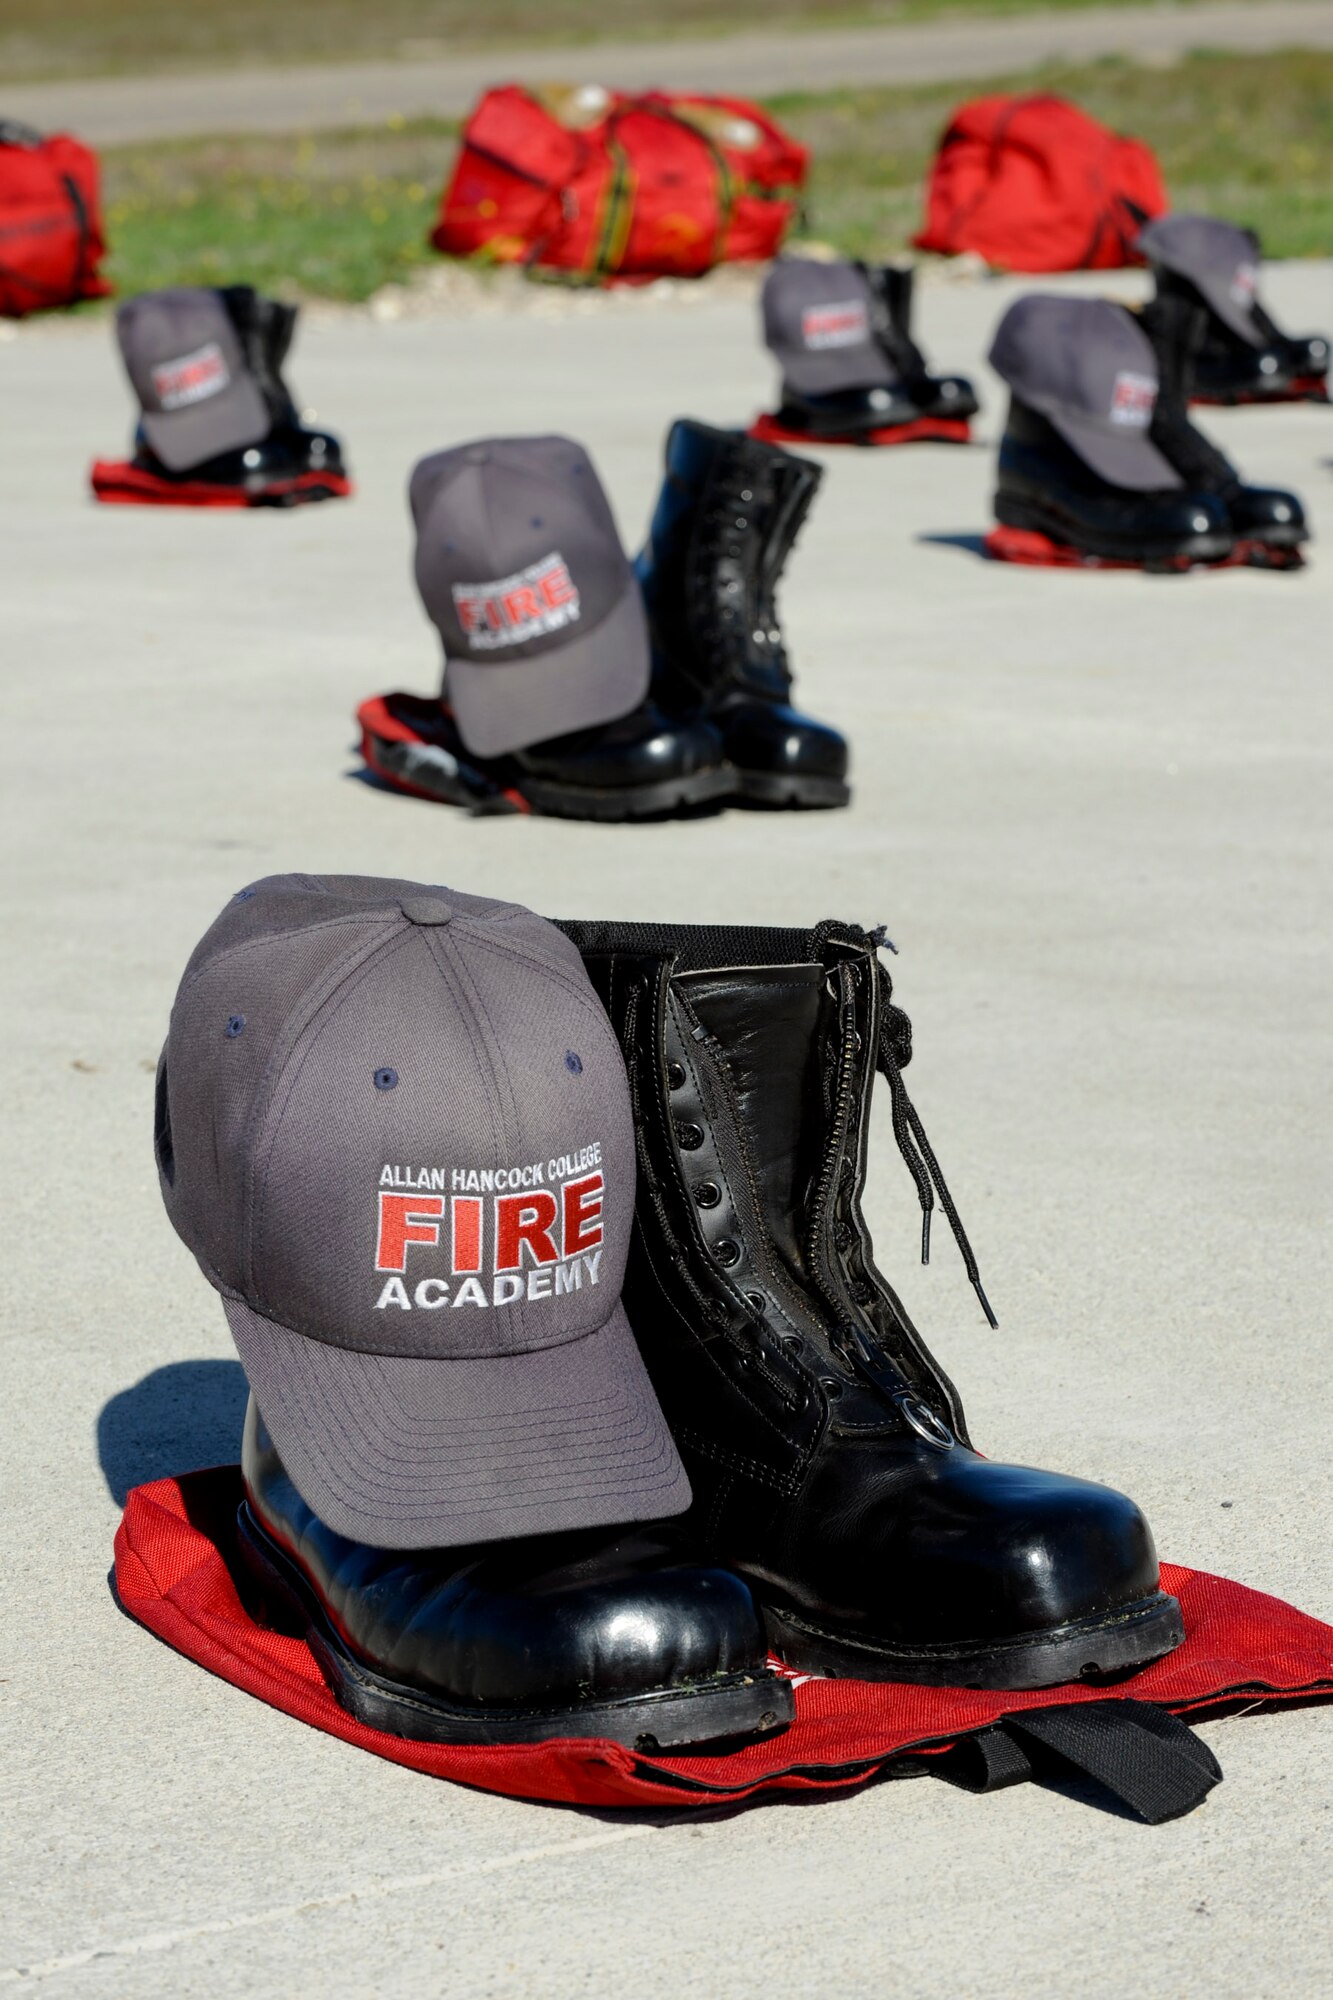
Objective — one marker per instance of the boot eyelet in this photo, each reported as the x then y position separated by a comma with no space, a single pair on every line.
689,1137
675,1073
758,1301
708,1194
791,1343
831,1386
727,1253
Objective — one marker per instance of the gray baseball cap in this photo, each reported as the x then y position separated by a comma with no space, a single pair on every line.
1089,368
1219,259
818,321
185,364
520,565
393,1125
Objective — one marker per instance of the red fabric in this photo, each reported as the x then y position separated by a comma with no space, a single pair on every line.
1038,551
1301,389
119,482
943,430
629,188
51,234
175,1555
408,718
1034,184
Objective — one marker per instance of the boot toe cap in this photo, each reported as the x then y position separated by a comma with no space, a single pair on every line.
1019,1551
773,738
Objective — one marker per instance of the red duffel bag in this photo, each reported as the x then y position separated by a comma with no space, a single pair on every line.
613,186
51,240
1034,184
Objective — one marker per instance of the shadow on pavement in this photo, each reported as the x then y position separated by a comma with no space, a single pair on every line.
972,545
178,1418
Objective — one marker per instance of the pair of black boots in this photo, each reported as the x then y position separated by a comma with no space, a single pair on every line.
719,723
840,1514
1212,517
292,463
917,398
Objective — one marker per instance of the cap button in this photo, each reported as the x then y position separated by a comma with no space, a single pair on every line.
425,910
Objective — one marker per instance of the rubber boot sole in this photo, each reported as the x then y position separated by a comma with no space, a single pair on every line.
726,1708
1023,518
774,788
1298,389
625,802
1094,1649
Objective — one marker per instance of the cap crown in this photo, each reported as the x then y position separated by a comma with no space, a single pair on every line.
1082,360
395,1119
517,549
818,321
180,348
1220,259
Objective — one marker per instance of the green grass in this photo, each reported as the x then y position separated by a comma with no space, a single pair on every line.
44,38
1248,137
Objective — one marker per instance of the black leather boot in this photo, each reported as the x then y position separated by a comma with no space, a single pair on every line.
621,1633
891,287
641,766
1274,367
827,1450
726,518
1045,488
1268,523
265,327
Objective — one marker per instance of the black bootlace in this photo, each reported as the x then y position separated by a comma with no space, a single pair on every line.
893,1053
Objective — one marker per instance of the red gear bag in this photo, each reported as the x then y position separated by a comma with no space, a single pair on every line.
611,186
51,237
1035,184
176,1570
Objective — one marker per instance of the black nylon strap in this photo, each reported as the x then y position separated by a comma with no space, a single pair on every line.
1144,1756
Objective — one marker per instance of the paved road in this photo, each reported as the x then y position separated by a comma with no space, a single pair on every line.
1094,812
118,109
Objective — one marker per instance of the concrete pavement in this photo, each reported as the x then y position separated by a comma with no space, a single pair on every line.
116,110
1093,811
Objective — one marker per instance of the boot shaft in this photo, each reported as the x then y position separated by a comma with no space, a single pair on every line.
752,1056
728,513
265,328
1176,323
891,287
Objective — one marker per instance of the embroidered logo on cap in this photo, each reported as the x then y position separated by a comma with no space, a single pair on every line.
541,598
1132,400
192,379
1245,284
843,325
502,1233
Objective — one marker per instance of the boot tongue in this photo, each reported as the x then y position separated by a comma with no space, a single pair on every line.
767,1021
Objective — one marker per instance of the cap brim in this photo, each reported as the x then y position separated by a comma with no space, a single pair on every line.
590,678
828,370
1238,317
409,1454
231,420
1127,458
